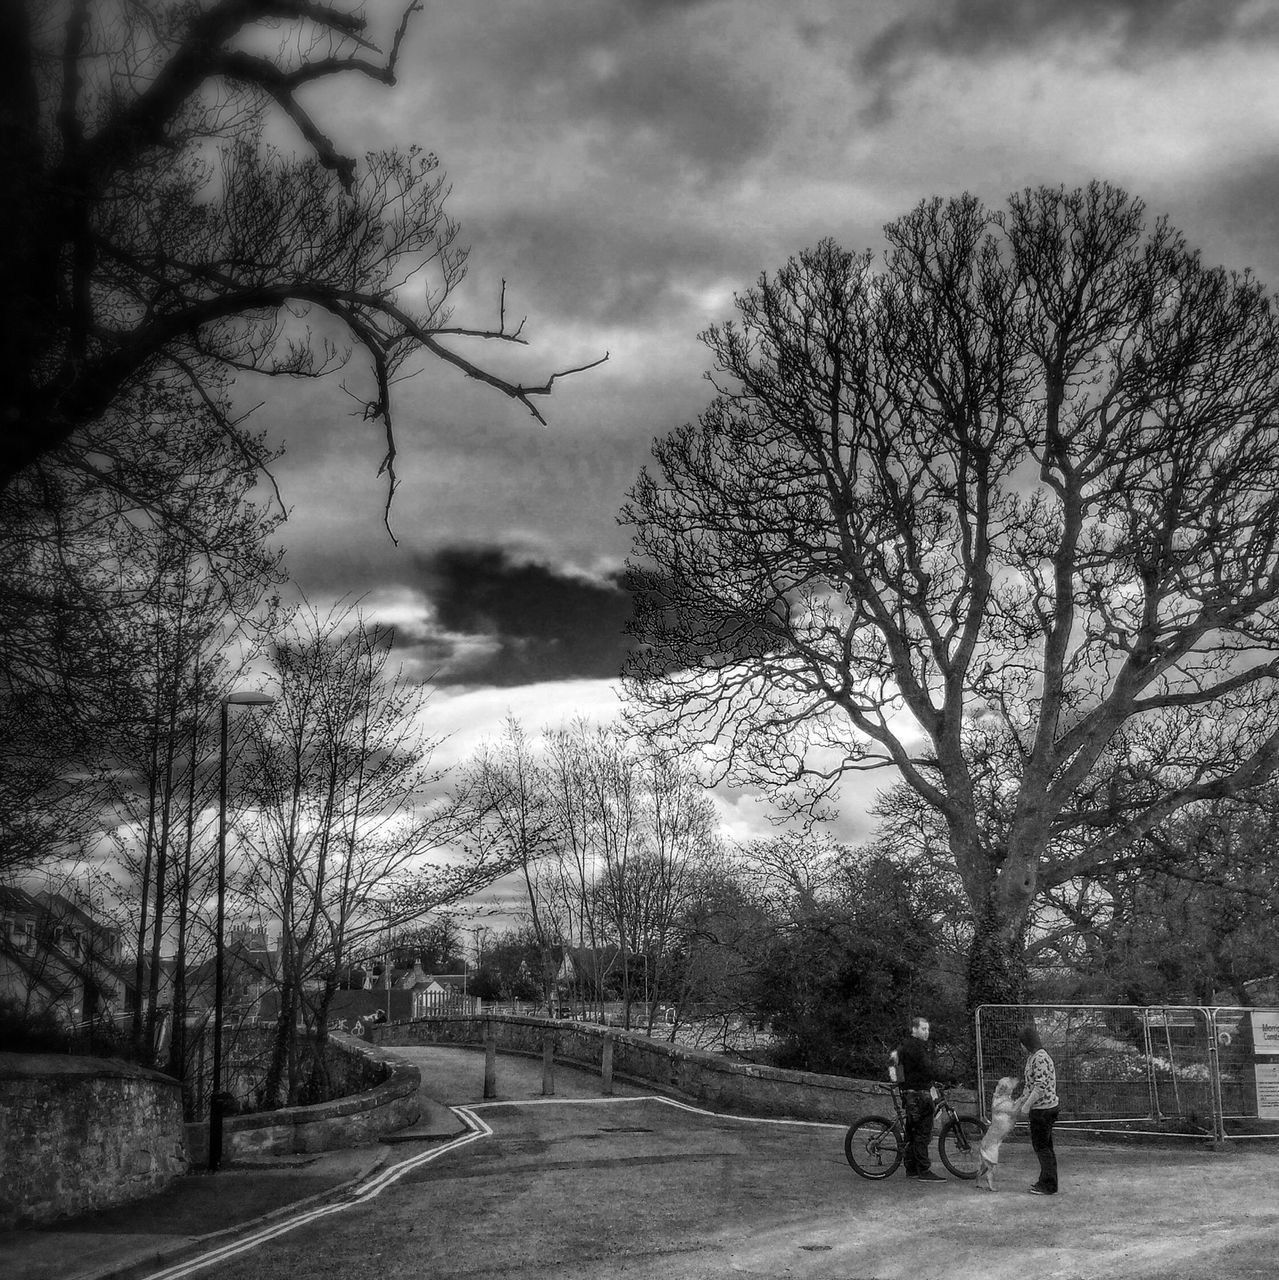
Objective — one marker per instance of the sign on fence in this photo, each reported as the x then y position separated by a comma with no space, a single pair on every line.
1265,1031
1267,1090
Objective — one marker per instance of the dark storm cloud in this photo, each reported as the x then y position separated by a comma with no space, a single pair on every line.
1132,30
971,28
535,622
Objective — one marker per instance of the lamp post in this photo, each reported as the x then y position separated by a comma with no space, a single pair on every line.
215,1097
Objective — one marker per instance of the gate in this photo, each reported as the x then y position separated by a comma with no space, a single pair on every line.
1171,1069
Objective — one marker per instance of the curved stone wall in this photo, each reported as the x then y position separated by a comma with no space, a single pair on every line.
363,1117
708,1079
83,1133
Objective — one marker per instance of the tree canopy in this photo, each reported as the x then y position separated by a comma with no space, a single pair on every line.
152,233
998,514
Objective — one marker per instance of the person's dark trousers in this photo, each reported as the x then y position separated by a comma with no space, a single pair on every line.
919,1129
1042,1120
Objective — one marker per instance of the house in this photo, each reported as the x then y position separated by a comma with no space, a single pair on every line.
56,956
591,973
443,995
400,994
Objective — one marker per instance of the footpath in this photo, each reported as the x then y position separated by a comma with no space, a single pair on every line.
202,1210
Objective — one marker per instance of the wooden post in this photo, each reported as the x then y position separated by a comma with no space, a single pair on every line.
490,1060
548,1065
606,1065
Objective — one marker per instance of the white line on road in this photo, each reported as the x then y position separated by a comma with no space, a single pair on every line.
476,1129
653,1097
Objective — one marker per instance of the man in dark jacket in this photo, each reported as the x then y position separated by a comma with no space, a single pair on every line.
911,1065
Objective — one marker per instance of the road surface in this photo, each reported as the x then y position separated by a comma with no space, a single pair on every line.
641,1188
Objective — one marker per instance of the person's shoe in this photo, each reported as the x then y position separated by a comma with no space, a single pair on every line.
1037,1190
928,1176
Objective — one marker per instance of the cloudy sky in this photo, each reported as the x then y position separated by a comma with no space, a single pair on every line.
625,166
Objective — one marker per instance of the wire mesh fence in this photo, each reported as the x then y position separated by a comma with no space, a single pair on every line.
1163,1069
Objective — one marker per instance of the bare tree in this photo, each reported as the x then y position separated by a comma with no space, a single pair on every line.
150,232
1189,915
1000,517
680,844
105,559
609,834
592,820
505,808
340,782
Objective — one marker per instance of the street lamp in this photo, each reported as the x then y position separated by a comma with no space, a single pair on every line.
215,1097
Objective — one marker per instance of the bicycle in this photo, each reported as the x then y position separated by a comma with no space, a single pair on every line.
875,1145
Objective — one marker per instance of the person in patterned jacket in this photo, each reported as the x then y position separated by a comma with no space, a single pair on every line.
1041,1088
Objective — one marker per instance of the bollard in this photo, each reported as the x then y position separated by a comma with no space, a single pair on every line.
548,1065
606,1064
490,1061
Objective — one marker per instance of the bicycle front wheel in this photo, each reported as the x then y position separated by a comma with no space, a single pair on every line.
960,1145
874,1147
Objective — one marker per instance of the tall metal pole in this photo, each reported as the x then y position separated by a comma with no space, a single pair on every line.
215,1098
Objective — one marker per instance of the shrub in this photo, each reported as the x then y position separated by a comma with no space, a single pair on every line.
24,1030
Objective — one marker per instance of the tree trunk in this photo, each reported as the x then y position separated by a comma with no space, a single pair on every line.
996,959
138,1030
281,1047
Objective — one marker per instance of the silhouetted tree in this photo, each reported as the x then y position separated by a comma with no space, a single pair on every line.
151,234
1002,517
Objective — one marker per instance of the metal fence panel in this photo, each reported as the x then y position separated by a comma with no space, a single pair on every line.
1247,1068
1117,1065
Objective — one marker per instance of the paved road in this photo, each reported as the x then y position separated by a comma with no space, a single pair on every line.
578,1186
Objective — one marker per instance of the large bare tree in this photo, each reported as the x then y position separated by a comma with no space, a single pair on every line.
151,231
1000,517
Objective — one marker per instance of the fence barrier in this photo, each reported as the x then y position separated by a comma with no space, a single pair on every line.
1171,1069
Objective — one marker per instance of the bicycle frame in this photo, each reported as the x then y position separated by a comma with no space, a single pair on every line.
875,1145
940,1101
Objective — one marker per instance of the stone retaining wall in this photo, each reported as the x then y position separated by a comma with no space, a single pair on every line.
708,1079
344,1122
83,1133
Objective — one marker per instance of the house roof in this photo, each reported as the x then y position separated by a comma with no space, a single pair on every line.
455,980
18,901
40,975
65,909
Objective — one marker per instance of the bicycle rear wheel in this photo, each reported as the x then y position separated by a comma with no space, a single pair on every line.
874,1147
960,1145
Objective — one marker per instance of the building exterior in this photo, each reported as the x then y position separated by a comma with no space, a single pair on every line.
56,957
402,995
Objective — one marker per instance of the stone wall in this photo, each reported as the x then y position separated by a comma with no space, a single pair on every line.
246,1057
83,1133
389,1104
708,1079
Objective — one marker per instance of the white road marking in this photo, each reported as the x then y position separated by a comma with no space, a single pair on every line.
653,1097
476,1129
